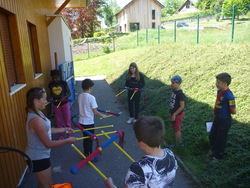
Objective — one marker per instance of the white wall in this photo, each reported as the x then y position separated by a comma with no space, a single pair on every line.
59,41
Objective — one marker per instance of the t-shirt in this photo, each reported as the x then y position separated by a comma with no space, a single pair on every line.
152,172
86,103
133,83
175,99
58,90
224,101
35,149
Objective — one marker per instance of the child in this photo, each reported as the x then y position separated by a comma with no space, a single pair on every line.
39,136
177,108
158,167
224,107
87,110
134,79
59,90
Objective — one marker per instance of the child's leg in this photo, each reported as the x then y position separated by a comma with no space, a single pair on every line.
177,128
87,143
130,105
221,137
44,178
59,118
137,98
66,114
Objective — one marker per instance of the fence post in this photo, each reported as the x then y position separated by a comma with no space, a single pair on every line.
159,34
137,33
175,31
113,41
197,29
233,15
88,46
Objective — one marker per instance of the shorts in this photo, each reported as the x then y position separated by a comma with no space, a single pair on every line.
40,165
178,122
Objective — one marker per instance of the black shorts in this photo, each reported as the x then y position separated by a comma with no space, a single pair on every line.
40,165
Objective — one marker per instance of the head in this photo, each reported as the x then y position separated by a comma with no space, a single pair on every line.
133,69
55,75
149,130
223,80
36,99
176,81
87,84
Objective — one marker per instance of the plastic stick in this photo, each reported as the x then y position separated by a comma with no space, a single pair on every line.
122,150
133,94
91,164
85,137
94,128
120,93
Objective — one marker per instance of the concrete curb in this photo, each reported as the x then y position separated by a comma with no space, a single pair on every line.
189,173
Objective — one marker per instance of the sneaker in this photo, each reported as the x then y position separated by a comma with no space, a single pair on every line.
61,138
134,120
95,159
130,120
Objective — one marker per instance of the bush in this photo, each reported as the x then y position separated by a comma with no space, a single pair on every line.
99,34
106,49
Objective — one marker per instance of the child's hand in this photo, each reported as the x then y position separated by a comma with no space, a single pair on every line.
109,183
71,140
104,116
68,130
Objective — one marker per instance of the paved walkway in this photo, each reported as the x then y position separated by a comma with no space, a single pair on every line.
113,163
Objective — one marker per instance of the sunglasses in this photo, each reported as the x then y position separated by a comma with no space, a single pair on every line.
40,91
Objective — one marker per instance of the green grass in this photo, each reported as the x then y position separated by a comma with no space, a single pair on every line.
198,65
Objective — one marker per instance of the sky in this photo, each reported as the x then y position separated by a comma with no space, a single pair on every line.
122,3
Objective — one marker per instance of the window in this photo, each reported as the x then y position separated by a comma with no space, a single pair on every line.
188,5
34,48
10,52
153,14
153,25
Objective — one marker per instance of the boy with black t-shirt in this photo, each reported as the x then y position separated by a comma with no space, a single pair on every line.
177,108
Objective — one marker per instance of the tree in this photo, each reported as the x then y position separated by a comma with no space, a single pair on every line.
242,7
109,11
83,21
171,7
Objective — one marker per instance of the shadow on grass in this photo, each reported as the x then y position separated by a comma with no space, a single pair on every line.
233,171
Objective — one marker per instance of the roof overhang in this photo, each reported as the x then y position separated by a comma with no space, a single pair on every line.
71,4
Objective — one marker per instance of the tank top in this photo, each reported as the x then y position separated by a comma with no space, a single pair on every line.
35,149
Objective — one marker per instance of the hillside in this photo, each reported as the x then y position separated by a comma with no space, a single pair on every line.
198,65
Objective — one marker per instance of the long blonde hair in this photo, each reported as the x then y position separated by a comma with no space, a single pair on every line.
137,75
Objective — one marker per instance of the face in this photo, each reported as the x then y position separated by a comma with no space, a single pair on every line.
132,69
220,84
41,103
56,78
175,85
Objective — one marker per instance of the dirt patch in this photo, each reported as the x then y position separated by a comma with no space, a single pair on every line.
84,48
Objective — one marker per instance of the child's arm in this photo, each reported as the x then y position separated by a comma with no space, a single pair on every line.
233,110
181,108
96,112
68,92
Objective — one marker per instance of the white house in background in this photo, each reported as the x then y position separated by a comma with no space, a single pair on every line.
187,7
139,14
60,42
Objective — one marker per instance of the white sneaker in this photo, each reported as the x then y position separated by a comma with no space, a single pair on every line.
130,120
134,120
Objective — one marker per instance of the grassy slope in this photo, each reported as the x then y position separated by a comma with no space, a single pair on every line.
198,65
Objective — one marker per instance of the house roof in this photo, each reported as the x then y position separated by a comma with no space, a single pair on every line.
134,1
184,4
71,4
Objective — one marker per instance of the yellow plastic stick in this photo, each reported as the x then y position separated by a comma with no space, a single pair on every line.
120,93
85,137
122,150
94,128
59,104
112,115
133,95
91,164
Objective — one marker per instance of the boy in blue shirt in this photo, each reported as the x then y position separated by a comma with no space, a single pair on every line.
224,107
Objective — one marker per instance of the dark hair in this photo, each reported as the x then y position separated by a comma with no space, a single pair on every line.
87,83
224,77
32,94
149,130
54,72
